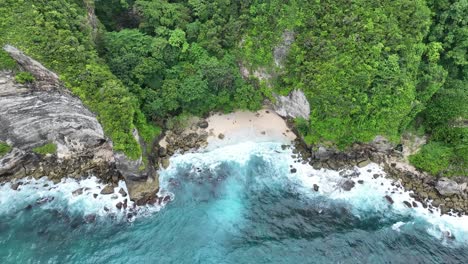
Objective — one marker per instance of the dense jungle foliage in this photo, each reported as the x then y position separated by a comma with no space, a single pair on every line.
367,67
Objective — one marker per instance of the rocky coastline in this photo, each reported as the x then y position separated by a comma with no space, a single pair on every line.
450,196
49,132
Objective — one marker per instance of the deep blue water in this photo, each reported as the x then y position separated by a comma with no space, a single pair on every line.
239,204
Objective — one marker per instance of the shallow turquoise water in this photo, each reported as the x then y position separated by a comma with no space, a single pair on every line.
238,204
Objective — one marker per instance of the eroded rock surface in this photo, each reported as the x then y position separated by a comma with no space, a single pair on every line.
44,112
294,105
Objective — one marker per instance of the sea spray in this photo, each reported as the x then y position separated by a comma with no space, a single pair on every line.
244,203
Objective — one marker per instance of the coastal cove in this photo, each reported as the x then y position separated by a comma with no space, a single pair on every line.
249,201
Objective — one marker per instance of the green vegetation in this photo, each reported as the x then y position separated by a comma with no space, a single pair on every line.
4,148
367,67
6,62
49,148
24,77
434,158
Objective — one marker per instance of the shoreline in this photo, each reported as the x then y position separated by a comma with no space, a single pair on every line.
220,130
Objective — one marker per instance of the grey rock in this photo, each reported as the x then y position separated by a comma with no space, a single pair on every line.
447,187
347,185
281,51
108,189
316,187
294,105
382,144
77,192
122,192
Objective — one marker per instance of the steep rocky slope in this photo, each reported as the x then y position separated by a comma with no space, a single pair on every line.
45,113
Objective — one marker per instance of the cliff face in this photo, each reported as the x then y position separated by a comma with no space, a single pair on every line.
44,112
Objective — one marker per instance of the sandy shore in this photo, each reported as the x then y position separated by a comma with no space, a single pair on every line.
261,126
241,126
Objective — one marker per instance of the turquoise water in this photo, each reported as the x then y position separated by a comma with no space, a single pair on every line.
236,204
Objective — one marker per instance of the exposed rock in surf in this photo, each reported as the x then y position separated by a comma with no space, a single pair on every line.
14,186
347,185
293,170
77,192
316,187
221,136
389,199
360,181
108,189
408,204
119,205
122,192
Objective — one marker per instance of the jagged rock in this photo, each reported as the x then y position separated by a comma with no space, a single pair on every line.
143,189
77,192
122,192
389,199
108,189
316,187
347,185
408,204
447,187
294,105
14,186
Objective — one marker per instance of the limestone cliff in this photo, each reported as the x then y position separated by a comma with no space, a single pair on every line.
45,112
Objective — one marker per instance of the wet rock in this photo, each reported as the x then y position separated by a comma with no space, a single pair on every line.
122,192
408,204
348,185
119,205
108,189
124,205
414,204
44,200
15,186
293,170
77,192
221,136
360,181
95,195
316,187
167,198
90,218
389,199
106,209
363,163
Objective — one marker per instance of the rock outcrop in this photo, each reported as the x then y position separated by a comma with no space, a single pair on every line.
45,112
294,105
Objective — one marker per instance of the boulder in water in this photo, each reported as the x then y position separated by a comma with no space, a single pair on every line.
77,192
316,187
122,192
389,199
108,189
347,185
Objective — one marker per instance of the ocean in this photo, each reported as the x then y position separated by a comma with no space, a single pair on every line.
244,203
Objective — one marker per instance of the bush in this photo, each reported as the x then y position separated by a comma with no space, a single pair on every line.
4,148
49,148
24,77
6,62
434,158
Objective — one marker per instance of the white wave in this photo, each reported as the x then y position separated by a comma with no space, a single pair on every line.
45,194
368,194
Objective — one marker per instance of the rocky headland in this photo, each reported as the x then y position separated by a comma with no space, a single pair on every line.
51,133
